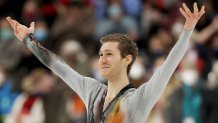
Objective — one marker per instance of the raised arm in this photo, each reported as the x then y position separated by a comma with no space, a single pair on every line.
83,86
203,36
147,95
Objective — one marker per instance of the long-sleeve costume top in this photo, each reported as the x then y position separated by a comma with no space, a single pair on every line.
130,106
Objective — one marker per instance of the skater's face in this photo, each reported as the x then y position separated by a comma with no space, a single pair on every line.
110,63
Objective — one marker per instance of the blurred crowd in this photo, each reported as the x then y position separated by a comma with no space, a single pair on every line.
30,93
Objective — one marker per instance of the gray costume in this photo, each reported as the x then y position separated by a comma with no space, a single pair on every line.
132,105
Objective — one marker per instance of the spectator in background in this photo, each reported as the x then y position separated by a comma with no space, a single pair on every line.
186,102
137,74
203,36
7,94
42,33
209,103
117,22
67,103
76,109
29,106
100,7
73,53
25,65
68,107
30,11
132,8
6,34
48,10
156,48
206,43
149,24
73,22
11,48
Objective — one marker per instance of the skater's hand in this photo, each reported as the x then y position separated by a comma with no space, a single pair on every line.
20,31
191,18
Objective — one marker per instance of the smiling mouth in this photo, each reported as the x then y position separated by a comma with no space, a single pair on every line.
104,67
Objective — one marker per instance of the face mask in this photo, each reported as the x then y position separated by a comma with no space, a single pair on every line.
41,34
213,76
189,77
2,78
189,120
137,71
212,80
177,29
114,10
6,34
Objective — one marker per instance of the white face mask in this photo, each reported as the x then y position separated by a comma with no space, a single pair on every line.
189,77
137,71
189,120
212,80
177,29
213,76
2,78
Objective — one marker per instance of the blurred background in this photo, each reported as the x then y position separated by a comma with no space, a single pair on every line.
30,93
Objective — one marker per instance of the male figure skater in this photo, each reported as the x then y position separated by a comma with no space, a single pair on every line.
118,102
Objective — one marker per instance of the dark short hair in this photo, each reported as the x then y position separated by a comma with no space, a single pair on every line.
126,45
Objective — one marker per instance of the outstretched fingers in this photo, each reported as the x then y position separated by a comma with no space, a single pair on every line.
195,9
12,23
202,11
198,13
32,25
187,11
183,13
191,17
20,30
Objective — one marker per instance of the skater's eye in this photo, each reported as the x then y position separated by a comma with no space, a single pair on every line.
109,54
100,54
